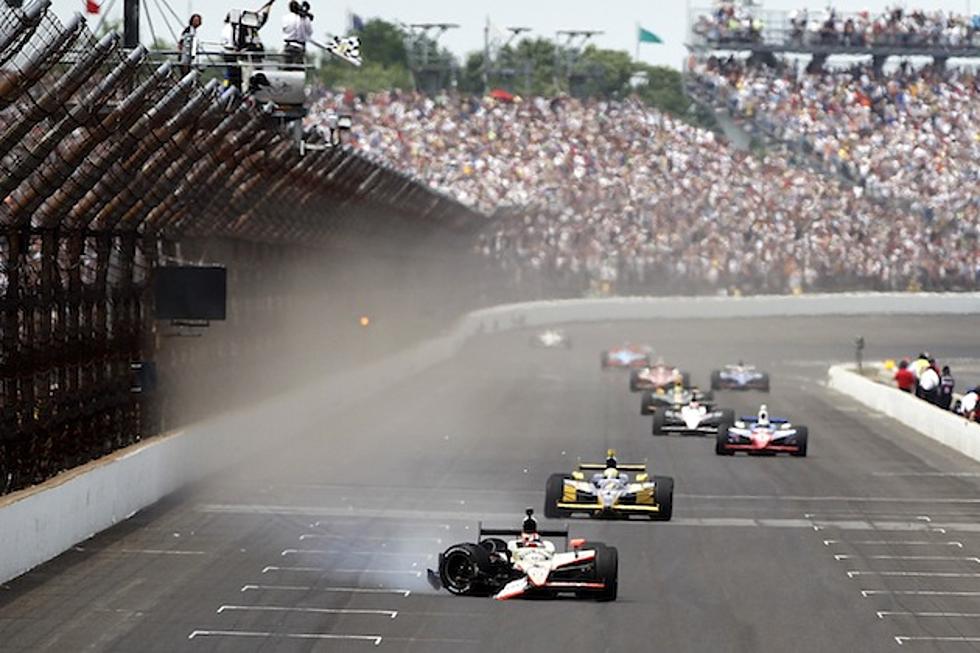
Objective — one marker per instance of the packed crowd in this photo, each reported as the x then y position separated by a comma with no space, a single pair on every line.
909,138
923,377
617,192
895,27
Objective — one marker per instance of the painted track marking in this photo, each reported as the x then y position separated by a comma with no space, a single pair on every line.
374,639
391,614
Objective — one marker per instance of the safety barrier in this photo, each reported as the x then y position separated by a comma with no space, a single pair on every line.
934,423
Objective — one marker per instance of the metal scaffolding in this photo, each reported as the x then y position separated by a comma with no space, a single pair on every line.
107,163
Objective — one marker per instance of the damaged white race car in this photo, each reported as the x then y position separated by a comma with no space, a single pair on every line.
527,565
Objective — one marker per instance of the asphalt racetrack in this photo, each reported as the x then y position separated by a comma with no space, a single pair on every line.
872,543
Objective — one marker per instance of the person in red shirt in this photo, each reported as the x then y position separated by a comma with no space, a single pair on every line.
904,377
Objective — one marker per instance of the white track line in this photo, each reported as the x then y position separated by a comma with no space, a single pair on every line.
294,552
391,614
927,474
790,497
958,615
972,559
152,552
904,639
894,543
374,639
328,570
866,515
914,574
867,593
344,590
382,538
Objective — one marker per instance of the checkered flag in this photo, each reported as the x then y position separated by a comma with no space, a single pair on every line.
347,48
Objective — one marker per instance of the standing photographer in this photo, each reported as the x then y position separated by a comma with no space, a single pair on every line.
297,29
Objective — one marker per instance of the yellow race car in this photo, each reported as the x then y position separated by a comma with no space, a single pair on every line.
607,490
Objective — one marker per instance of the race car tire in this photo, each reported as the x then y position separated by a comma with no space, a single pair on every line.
722,439
802,434
606,569
604,360
659,418
686,379
708,396
764,383
634,376
645,400
727,417
461,568
553,490
664,496
716,380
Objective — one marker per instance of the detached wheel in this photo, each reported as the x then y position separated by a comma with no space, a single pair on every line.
659,419
645,401
663,494
553,490
606,570
721,439
802,434
462,568
604,360
716,380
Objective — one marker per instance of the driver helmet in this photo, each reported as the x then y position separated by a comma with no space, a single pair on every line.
611,458
611,473
530,525
763,419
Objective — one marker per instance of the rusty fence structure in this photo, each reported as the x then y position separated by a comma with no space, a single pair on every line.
109,161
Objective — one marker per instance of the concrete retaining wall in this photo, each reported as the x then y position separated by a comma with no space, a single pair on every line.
38,524
932,422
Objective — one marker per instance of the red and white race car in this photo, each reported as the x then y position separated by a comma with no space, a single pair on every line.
761,434
658,376
626,356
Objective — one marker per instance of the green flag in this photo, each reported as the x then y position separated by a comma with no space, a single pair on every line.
646,36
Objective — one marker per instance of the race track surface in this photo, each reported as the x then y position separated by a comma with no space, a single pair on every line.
321,545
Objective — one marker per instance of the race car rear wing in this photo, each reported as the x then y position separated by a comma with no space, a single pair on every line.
623,467
514,532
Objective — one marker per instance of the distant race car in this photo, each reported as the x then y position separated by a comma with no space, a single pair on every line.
528,565
693,418
551,339
606,490
656,376
739,377
762,435
674,397
627,356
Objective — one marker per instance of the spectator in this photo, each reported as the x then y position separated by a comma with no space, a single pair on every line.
968,404
929,384
904,378
946,385
187,45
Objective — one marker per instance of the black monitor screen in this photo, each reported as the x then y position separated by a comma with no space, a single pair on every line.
190,293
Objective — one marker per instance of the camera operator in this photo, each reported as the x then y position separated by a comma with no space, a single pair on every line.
297,29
